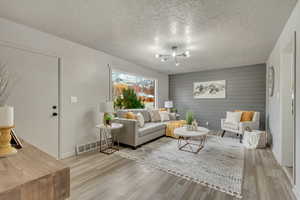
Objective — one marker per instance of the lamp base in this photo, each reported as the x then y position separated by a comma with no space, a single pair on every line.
5,147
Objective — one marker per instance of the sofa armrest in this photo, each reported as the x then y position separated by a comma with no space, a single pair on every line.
128,134
253,125
222,123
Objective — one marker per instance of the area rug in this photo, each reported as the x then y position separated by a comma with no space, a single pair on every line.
219,165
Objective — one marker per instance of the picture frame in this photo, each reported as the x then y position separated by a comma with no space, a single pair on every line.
15,141
210,90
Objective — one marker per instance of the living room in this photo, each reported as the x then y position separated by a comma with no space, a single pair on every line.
149,100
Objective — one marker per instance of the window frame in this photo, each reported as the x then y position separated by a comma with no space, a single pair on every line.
137,75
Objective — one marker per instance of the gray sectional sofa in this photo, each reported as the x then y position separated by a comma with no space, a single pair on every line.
131,134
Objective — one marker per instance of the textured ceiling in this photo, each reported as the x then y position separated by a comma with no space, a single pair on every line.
219,33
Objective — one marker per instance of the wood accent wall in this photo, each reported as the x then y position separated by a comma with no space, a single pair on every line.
246,90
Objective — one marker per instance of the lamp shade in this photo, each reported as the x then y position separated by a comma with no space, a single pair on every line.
168,104
107,107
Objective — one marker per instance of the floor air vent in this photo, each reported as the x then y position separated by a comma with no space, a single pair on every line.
83,148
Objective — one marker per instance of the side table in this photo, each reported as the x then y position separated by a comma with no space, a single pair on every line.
108,138
255,139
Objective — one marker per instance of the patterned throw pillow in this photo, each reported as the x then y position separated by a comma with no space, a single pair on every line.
155,116
140,119
164,116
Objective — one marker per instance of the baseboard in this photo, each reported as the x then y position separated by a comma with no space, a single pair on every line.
276,157
296,193
67,154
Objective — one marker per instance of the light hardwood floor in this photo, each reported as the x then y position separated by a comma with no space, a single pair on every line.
95,176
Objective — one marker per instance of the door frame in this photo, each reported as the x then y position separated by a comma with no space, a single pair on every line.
294,102
60,80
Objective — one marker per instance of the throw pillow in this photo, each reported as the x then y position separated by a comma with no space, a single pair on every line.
172,116
130,115
154,114
164,116
233,117
140,119
246,115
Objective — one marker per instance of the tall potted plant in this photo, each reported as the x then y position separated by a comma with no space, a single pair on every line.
128,100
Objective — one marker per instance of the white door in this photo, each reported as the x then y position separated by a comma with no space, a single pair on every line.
34,96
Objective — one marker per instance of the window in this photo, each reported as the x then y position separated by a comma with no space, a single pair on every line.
144,87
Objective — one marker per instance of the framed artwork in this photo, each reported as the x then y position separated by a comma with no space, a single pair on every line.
210,90
15,140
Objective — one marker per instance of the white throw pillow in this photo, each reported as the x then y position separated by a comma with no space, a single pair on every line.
164,116
155,116
140,119
233,117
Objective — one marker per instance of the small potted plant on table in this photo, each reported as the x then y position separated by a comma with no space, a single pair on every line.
189,121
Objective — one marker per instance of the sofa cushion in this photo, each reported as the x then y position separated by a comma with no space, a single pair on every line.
151,127
144,112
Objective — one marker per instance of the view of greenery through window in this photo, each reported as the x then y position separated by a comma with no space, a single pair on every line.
144,88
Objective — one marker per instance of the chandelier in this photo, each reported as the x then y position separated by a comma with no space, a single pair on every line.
173,56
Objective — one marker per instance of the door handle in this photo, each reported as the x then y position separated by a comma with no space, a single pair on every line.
54,114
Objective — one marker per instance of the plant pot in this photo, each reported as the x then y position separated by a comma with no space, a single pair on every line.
189,127
108,122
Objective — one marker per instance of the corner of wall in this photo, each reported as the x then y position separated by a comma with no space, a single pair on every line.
296,193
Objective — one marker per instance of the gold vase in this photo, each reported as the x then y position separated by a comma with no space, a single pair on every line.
5,147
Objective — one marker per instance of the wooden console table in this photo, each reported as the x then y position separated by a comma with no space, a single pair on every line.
33,175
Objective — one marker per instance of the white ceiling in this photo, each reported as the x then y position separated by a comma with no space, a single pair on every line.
219,33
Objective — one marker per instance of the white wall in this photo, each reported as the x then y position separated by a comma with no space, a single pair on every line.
84,74
292,25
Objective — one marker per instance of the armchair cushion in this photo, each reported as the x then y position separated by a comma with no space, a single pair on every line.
230,126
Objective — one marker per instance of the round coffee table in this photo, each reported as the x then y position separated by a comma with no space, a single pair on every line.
191,141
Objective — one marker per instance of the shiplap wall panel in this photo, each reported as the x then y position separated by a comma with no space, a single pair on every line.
245,90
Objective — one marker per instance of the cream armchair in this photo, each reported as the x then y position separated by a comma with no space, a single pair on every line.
240,127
